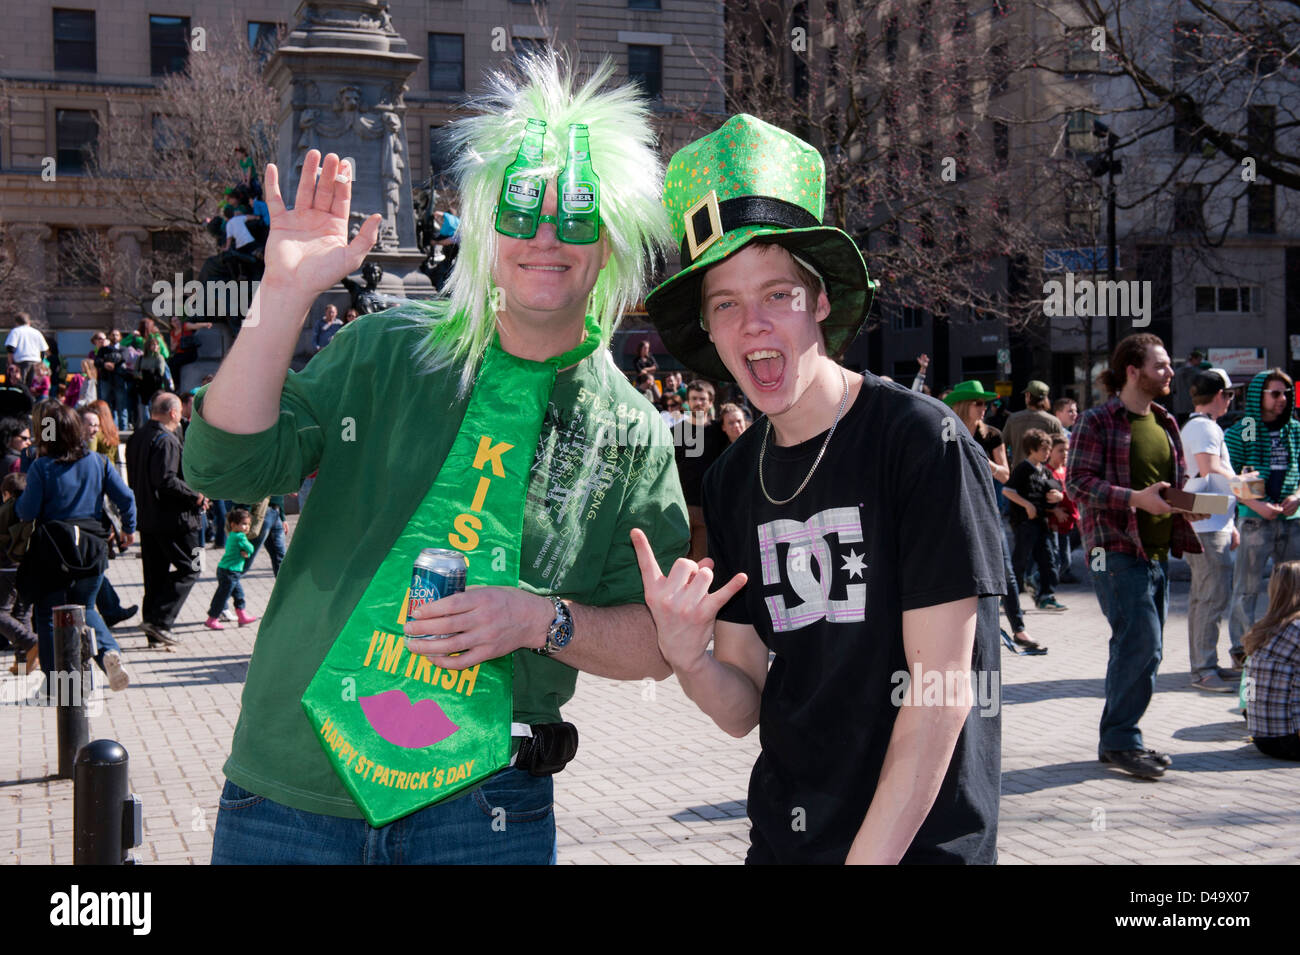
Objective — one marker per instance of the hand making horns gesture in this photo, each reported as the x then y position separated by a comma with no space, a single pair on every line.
683,609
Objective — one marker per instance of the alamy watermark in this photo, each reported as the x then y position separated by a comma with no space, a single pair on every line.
195,299
66,688
1099,298
922,687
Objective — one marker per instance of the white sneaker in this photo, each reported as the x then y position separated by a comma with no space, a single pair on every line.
118,678
227,615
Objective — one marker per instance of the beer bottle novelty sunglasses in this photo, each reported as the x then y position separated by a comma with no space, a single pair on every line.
519,209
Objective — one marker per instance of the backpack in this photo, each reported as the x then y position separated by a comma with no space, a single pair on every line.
61,551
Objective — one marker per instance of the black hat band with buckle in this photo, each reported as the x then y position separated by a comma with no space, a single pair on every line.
709,220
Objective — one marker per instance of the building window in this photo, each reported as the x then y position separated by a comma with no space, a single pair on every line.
1079,133
76,258
262,38
1079,55
891,39
799,67
907,317
169,134
924,14
1187,47
1188,202
979,366
527,46
76,136
963,154
74,40
1000,70
645,64
960,18
1260,208
447,62
1211,299
643,4
962,82
1261,124
170,248
1001,143
1082,210
169,44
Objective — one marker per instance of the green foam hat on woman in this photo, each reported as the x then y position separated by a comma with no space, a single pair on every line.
745,181
968,391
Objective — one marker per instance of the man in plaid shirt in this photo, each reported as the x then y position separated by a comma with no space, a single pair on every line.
1122,455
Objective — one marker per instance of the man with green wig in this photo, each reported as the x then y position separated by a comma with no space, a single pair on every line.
380,723
853,532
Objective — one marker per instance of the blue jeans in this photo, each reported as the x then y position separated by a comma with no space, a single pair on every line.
228,585
1062,554
218,522
273,537
1134,595
509,820
1011,599
81,592
119,399
1034,545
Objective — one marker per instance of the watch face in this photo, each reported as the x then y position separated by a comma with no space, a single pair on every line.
562,629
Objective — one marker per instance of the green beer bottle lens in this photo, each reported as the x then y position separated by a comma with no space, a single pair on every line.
518,225
578,231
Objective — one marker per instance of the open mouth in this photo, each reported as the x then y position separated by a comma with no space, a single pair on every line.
410,725
545,268
766,366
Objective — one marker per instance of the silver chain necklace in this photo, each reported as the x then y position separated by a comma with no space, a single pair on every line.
762,451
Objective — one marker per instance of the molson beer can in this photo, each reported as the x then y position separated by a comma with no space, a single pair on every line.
437,574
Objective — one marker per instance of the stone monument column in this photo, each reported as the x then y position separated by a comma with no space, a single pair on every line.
341,74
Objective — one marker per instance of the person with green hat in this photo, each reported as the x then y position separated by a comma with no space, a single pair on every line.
968,401
852,534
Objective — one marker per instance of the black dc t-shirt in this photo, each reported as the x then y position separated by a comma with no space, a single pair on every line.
899,515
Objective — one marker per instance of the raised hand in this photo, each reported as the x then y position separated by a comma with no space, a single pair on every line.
308,247
683,609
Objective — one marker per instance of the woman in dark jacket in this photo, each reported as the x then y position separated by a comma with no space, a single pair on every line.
67,482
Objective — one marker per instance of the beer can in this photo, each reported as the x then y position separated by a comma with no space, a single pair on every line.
437,574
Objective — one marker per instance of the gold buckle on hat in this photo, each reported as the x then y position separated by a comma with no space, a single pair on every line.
695,243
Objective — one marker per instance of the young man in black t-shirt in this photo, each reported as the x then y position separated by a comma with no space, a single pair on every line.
854,535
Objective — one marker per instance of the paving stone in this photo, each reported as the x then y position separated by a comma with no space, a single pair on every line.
656,781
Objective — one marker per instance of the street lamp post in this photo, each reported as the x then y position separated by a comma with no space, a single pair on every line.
1107,165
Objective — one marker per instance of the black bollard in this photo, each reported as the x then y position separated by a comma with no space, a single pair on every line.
106,815
69,683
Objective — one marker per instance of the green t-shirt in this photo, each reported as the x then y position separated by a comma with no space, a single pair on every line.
377,431
238,549
1151,459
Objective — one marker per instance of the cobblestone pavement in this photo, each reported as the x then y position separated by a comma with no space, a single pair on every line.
655,781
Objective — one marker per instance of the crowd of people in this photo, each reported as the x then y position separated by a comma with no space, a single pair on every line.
813,597
83,473
1028,454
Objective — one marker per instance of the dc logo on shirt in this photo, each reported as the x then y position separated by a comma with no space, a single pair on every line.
810,568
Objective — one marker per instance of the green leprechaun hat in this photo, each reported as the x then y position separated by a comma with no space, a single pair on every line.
747,180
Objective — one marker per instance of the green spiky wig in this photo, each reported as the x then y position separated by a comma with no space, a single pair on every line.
623,155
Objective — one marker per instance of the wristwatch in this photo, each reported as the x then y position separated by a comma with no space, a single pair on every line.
560,632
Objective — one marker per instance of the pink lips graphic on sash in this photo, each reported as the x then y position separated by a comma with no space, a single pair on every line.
403,723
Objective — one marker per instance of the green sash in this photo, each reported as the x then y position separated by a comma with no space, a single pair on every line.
401,733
